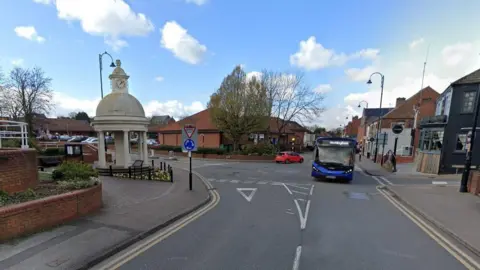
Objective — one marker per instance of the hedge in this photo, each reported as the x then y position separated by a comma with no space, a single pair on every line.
200,150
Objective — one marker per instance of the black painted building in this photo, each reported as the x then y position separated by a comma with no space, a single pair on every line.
443,138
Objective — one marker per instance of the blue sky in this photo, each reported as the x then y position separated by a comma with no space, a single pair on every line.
344,42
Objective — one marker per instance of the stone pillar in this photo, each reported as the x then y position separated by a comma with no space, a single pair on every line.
145,147
102,163
126,146
140,145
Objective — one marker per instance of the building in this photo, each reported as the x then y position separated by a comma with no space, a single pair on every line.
443,137
364,132
61,126
351,129
210,136
156,122
404,114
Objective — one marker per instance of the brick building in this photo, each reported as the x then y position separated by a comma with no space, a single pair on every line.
351,129
403,114
61,126
209,136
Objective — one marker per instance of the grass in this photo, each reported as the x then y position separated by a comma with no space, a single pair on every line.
44,176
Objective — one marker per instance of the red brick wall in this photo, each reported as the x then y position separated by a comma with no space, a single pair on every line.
352,127
18,169
32,216
209,140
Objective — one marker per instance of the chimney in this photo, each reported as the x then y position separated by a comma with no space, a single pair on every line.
400,101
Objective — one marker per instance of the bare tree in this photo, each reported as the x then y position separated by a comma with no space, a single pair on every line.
290,99
30,92
238,107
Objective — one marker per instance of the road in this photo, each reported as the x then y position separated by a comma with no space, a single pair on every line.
274,216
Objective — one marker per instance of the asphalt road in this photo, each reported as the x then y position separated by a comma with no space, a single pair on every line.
274,216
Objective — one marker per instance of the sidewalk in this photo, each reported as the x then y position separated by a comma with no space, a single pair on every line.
132,209
455,213
409,170
370,167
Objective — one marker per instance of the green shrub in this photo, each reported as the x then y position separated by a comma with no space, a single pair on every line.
57,175
77,184
261,149
218,151
74,171
11,143
167,148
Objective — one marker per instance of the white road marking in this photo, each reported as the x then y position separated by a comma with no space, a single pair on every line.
261,182
296,186
277,184
378,180
290,213
299,192
222,180
311,190
249,197
386,180
456,252
358,169
211,179
301,200
289,191
439,183
296,260
303,218
247,182
234,181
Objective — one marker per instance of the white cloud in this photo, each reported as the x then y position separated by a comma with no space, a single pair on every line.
159,79
66,104
176,39
17,62
44,2
109,18
333,117
312,55
456,53
415,43
29,32
360,74
197,2
322,88
256,74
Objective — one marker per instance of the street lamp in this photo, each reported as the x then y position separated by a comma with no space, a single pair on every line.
380,118
101,82
101,67
366,103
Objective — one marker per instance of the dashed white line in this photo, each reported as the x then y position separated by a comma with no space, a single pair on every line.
439,183
296,260
234,181
299,192
261,182
311,190
289,191
378,180
222,180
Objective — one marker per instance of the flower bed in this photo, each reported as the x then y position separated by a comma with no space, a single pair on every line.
32,216
149,174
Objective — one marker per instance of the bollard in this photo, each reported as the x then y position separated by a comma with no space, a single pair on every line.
129,172
150,174
171,173
153,164
111,171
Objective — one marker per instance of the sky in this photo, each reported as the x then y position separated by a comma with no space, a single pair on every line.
178,51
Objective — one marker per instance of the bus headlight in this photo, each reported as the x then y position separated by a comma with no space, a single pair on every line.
315,169
348,171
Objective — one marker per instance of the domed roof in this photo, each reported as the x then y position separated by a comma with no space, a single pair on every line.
120,104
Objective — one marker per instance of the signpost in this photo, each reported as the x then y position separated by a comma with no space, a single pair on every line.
396,129
189,138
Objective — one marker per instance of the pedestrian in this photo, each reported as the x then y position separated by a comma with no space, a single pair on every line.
360,153
394,162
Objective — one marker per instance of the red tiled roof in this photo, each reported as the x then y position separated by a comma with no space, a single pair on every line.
55,125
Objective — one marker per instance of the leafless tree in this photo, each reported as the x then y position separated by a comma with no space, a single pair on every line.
291,99
29,92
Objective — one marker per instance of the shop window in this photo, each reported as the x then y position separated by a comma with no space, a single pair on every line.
461,142
468,102
431,140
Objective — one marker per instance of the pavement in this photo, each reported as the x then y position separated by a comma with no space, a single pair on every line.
133,209
275,216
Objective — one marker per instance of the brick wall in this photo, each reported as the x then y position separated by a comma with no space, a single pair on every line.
18,169
209,140
33,216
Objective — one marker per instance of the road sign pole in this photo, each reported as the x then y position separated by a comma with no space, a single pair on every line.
395,146
190,172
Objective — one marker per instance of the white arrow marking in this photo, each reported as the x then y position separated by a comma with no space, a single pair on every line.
249,197
301,216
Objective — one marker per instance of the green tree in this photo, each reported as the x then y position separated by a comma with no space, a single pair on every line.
239,106
80,116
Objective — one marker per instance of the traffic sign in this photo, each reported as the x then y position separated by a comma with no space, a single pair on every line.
189,130
397,129
190,133
189,144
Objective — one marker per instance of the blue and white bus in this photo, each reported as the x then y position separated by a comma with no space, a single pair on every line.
334,158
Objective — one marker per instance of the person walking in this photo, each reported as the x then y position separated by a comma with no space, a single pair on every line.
360,151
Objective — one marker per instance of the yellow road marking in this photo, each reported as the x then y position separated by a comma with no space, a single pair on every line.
458,254
162,235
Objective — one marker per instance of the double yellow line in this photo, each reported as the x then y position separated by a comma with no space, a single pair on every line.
147,243
456,252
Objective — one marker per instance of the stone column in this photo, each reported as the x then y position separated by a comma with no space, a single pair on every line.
102,163
126,146
145,148
140,145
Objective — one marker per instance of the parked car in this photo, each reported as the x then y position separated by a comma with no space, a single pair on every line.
152,142
288,157
64,138
90,140
77,139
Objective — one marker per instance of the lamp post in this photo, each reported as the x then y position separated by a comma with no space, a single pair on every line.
379,125
101,82
366,104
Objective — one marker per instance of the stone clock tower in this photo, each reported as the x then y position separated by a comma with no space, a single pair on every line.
119,79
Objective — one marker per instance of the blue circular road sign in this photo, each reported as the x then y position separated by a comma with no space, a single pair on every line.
189,144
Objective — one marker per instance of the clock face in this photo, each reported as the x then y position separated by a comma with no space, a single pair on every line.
121,83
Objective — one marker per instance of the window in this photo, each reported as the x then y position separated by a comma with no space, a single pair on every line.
468,101
461,144
431,139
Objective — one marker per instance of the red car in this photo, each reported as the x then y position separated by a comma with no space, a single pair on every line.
288,157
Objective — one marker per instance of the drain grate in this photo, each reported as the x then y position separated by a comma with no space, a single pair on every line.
357,195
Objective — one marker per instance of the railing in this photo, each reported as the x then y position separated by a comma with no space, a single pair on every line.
141,172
